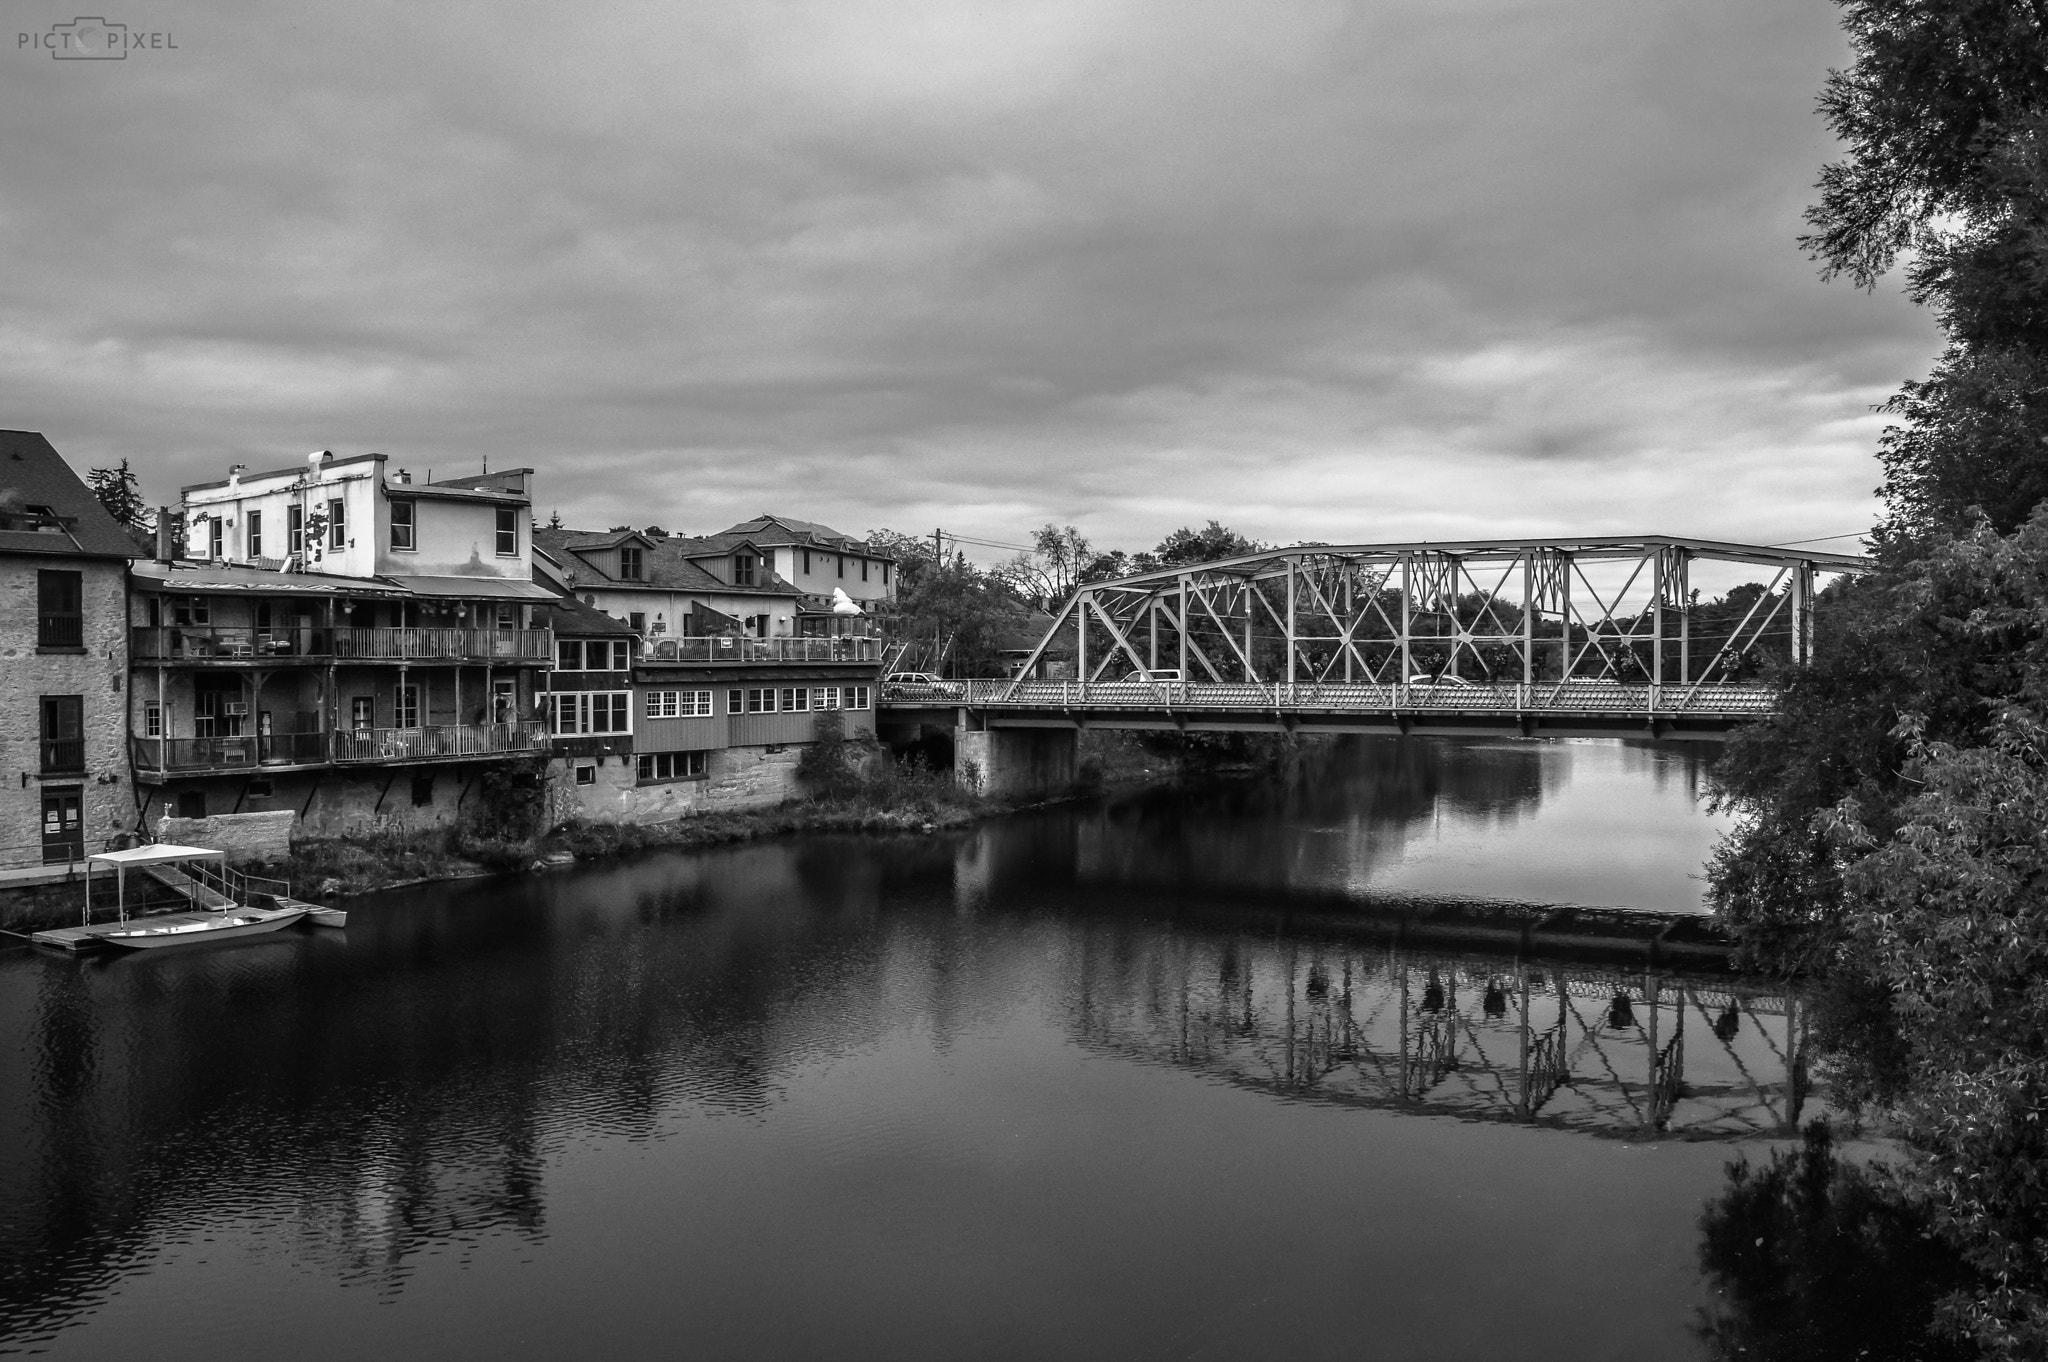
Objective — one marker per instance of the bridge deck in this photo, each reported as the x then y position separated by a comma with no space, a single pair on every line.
1568,707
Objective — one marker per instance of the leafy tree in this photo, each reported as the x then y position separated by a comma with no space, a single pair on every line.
1186,547
954,617
1945,113
117,490
1057,563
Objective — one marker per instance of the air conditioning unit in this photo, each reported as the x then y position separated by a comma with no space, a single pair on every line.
235,707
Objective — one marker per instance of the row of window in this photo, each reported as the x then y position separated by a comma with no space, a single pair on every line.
795,699
592,655
333,525
673,765
602,713
864,564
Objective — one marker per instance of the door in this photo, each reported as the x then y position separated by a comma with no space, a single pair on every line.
504,701
63,826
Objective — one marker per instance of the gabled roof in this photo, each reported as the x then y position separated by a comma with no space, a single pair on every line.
33,474
572,617
665,566
781,531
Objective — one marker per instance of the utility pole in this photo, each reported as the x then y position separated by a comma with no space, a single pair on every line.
938,548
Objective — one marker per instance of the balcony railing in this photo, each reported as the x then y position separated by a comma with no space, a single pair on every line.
229,754
60,631
235,643
63,756
446,645
746,650
438,741
361,746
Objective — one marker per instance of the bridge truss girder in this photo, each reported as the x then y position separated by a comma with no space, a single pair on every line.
1607,609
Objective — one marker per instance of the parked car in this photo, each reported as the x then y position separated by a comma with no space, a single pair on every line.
927,683
1153,675
1423,680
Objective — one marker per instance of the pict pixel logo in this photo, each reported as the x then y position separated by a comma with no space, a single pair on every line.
93,39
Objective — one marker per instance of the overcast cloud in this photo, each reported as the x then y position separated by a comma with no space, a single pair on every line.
1321,271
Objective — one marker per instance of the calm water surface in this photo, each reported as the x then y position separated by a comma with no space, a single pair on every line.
1119,1081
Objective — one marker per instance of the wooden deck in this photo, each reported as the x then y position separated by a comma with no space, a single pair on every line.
88,938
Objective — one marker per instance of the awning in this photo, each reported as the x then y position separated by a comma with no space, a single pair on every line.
223,577
161,853
475,588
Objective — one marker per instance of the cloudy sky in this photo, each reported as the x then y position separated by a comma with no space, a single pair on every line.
1319,270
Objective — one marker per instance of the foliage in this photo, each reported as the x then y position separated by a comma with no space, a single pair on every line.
118,491
954,617
1945,113
1814,1259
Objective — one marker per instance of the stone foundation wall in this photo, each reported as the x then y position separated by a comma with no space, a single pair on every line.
243,836
739,778
1015,763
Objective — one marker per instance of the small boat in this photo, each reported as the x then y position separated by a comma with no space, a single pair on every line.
191,931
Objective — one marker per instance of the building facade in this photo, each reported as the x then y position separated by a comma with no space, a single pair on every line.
339,641
63,645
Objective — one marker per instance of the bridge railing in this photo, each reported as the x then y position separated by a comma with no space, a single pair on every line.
1574,696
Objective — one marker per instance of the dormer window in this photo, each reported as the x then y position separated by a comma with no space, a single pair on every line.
743,569
629,564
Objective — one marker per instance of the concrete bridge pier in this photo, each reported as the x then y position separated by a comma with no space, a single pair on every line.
1013,763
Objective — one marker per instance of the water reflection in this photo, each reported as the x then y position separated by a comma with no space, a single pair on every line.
358,1104
1571,1046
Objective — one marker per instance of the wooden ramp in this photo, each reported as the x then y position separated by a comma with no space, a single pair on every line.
178,881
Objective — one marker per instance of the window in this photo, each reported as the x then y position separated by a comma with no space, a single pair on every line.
807,562
60,609
508,532
885,574
825,697
407,707
796,701
213,532
594,712
629,564
191,610
337,524
402,526
761,700
586,775
255,534
678,704
863,569
735,702
656,766
637,621
569,654
295,529
856,697
743,569
63,733
842,565
362,713
152,721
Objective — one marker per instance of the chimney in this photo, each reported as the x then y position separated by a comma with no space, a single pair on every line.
166,551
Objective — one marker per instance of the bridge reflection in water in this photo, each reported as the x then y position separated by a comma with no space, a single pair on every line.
1576,1047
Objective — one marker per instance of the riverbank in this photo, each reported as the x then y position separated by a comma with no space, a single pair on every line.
887,797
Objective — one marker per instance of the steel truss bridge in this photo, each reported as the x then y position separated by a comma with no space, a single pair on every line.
1593,635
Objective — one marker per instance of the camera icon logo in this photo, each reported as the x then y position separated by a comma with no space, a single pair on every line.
89,39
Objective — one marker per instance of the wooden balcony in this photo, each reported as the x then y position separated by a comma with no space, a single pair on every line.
212,644
753,651
366,746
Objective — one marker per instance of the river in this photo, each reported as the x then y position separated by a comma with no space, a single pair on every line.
1137,1078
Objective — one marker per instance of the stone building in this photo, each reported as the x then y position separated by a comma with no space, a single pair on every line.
64,787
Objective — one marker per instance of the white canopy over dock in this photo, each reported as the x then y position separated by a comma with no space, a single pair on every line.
157,853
